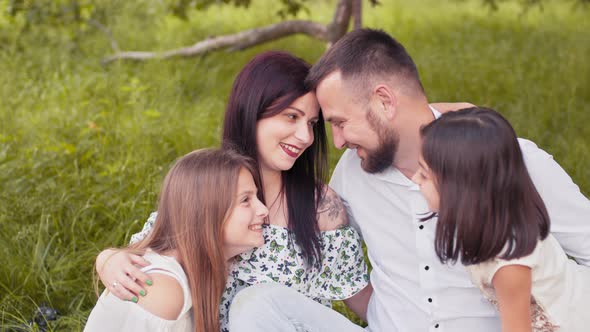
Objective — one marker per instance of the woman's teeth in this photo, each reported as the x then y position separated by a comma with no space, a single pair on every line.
291,148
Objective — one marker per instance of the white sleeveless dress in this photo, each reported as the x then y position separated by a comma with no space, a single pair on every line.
113,314
560,287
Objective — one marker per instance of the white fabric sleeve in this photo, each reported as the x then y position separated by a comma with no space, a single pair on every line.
568,208
531,261
139,319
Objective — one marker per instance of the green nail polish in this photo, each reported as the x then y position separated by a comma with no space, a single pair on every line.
142,292
134,299
149,282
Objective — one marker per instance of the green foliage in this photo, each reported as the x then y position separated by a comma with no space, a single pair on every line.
180,8
76,15
292,7
83,148
526,5
52,12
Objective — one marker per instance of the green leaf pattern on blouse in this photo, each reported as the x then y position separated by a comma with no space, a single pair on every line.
342,272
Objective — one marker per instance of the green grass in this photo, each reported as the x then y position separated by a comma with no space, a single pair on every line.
83,147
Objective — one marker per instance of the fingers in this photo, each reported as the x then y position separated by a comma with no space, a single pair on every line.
121,275
120,289
139,260
136,281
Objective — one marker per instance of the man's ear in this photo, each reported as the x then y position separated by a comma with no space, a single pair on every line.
384,101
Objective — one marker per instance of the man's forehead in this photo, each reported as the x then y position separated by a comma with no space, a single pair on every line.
330,115
330,92
340,113
332,80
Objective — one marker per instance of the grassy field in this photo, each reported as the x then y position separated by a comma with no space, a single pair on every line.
83,147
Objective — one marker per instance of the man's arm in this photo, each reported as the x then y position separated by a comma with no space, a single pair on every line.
568,208
358,302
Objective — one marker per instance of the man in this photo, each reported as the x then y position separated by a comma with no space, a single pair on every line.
370,92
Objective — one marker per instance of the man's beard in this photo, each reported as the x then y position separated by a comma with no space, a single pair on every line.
379,159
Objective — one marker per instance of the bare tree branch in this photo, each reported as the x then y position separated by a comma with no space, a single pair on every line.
233,42
248,38
281,30
107,32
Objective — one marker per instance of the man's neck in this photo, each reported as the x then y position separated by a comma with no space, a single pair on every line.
412,118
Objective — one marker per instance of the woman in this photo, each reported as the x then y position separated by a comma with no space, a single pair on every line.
207,214
273,118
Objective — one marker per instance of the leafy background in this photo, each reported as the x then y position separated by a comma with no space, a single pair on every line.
83,147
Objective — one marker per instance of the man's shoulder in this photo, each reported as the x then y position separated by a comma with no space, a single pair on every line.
532,153
526,144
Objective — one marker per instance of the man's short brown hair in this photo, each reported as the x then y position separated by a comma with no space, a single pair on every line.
365,54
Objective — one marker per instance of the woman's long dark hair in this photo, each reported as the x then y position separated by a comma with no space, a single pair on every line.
489,206
267,85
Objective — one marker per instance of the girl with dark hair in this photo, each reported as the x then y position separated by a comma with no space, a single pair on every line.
208,213
275,119
492,219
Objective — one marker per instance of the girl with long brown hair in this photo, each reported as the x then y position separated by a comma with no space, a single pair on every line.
208,213
490,217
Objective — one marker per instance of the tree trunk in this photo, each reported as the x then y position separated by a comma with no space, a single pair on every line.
339,25
357,14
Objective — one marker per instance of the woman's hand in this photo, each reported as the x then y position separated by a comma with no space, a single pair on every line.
119,271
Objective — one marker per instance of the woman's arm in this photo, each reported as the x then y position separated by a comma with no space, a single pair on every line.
512,284
359,302
119,271
333,215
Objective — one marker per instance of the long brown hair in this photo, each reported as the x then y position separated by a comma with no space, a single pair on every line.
489,206
268,84
196,199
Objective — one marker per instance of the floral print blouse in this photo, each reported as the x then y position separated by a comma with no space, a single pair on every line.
341,274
